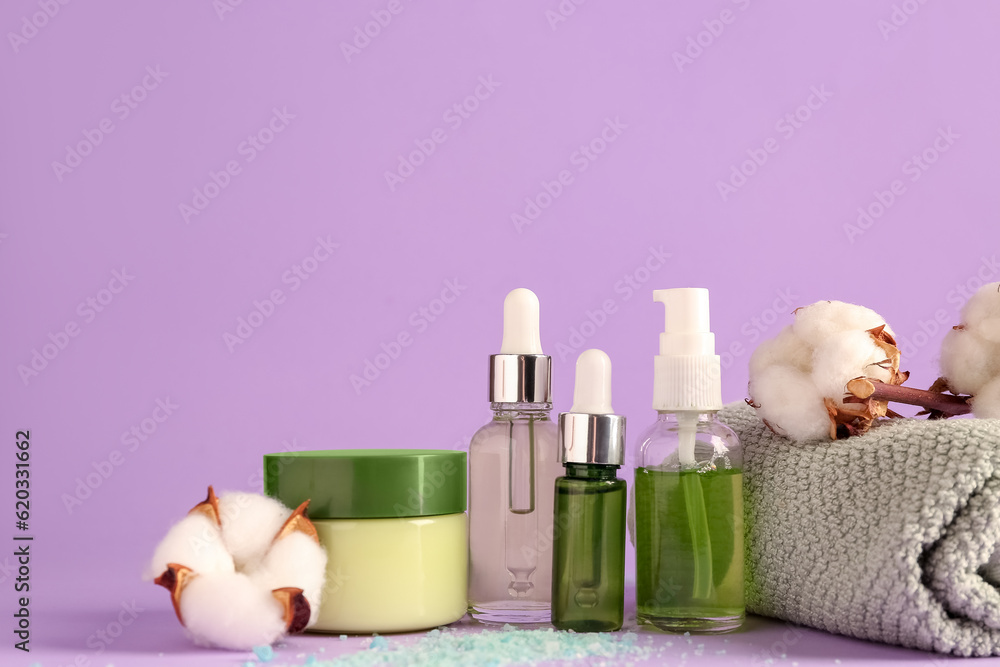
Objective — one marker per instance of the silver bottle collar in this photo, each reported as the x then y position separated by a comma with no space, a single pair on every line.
587,438
520,378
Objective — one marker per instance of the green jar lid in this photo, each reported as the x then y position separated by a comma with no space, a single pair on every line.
368,483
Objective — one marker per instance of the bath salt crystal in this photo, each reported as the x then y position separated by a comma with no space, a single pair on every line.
510,646
263,653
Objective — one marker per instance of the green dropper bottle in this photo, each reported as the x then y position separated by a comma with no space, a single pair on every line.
588,550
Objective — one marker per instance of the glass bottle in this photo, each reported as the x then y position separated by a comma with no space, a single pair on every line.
513,464
688,484
588,558
689,525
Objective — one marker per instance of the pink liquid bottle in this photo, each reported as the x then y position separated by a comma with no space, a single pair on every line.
513,465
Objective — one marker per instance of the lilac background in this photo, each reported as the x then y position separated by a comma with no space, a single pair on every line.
683,126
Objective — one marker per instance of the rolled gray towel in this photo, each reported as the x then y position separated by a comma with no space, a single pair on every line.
885,536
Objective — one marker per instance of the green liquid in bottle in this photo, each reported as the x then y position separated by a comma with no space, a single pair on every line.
588,551
689,549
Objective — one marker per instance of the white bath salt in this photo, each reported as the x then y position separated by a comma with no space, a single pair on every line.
451,648
970,354
812,360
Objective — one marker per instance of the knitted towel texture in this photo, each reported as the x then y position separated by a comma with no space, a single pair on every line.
883,536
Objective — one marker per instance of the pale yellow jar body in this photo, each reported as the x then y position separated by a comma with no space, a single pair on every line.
393,575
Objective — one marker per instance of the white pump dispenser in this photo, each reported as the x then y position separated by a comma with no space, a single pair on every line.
687,373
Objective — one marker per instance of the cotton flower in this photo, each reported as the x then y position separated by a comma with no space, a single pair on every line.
970,353
798,380
242,570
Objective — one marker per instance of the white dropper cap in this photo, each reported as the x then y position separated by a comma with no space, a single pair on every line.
590,432
592,392
520,323
521,372
687,372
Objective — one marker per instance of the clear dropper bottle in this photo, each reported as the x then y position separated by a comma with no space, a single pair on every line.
513,465
588,560
688,484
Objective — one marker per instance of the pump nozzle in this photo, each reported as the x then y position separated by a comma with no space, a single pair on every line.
520,323
687,370
686,330
592,392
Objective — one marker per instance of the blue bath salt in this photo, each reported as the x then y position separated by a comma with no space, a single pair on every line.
263,653
497,648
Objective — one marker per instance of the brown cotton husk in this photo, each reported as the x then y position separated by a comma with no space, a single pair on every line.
209,507
862,406
295,607
174,579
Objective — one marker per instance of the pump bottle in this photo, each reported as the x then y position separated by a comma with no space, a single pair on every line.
688,484
513,465
588,553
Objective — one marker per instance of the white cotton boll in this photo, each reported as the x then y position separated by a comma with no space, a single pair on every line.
791,403
817,322
786,348
231,611
295,561
196,542
986,402
249,524
981,313
967,361
843,357
983,305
